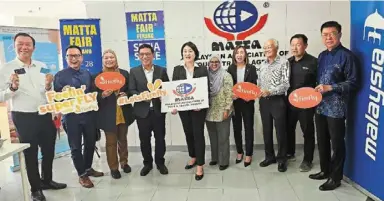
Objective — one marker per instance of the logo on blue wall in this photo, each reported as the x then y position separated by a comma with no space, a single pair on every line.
374,21
373,59
184,89
365,130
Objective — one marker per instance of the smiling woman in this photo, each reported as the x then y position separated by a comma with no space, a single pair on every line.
192,120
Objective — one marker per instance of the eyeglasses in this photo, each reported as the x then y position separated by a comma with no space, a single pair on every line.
145,54
76,56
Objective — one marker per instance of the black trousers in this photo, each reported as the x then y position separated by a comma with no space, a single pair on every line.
307,125
81,129
38,131
244,111
193,125
146,125
331,130
273,109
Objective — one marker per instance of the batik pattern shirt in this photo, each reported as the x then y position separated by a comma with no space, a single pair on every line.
274,77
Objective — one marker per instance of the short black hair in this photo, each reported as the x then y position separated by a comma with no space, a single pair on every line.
298,36
25,35
74,47
331,24
193,47
146,46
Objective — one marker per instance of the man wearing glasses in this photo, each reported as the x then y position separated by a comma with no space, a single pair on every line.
337,79
79,126
148,113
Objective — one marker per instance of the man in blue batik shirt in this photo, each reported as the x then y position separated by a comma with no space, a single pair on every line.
79,127
337,79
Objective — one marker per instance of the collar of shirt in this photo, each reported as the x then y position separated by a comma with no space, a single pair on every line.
276,60
194,64
74,71
148,71
292,58
22,64
334,50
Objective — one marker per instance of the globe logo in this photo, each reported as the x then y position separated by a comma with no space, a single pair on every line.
235,16
184,88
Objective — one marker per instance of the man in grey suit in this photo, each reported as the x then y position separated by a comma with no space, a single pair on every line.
148,113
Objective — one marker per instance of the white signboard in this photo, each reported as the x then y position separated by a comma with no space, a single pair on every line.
185,95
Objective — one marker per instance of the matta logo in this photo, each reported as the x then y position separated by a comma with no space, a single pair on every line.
375,21
236,17
184,90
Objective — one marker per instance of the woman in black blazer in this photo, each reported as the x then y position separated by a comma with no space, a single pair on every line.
242,71
114,119
192,120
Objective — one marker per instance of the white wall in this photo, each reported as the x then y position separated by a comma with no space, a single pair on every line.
40,14
184,22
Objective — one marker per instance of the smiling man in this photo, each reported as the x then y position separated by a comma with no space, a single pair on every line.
79,127
148,113
24,82
273,79
303,74
337,78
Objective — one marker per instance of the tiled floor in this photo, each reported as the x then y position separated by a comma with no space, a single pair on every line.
234,184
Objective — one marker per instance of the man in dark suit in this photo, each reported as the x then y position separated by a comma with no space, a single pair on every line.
148,113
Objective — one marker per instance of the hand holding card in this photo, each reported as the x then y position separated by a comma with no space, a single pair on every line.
48,81
19,71
45,70
14,79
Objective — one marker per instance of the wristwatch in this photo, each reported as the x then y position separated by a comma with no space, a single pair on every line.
12,89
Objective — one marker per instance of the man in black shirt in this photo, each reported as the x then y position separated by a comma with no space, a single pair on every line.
303,74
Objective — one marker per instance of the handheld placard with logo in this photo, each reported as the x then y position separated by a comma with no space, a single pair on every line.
110,81
305,98
246,91
154,91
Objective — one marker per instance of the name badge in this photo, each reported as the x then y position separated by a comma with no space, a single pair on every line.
45,70
20,71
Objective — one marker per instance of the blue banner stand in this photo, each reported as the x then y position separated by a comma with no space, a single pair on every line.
364,162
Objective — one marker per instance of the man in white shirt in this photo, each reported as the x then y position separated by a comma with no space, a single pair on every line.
24,83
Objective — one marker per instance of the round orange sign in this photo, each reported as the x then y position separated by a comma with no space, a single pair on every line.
305,97
110,81
246,90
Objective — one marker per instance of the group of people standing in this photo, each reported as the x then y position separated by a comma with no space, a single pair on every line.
333,74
